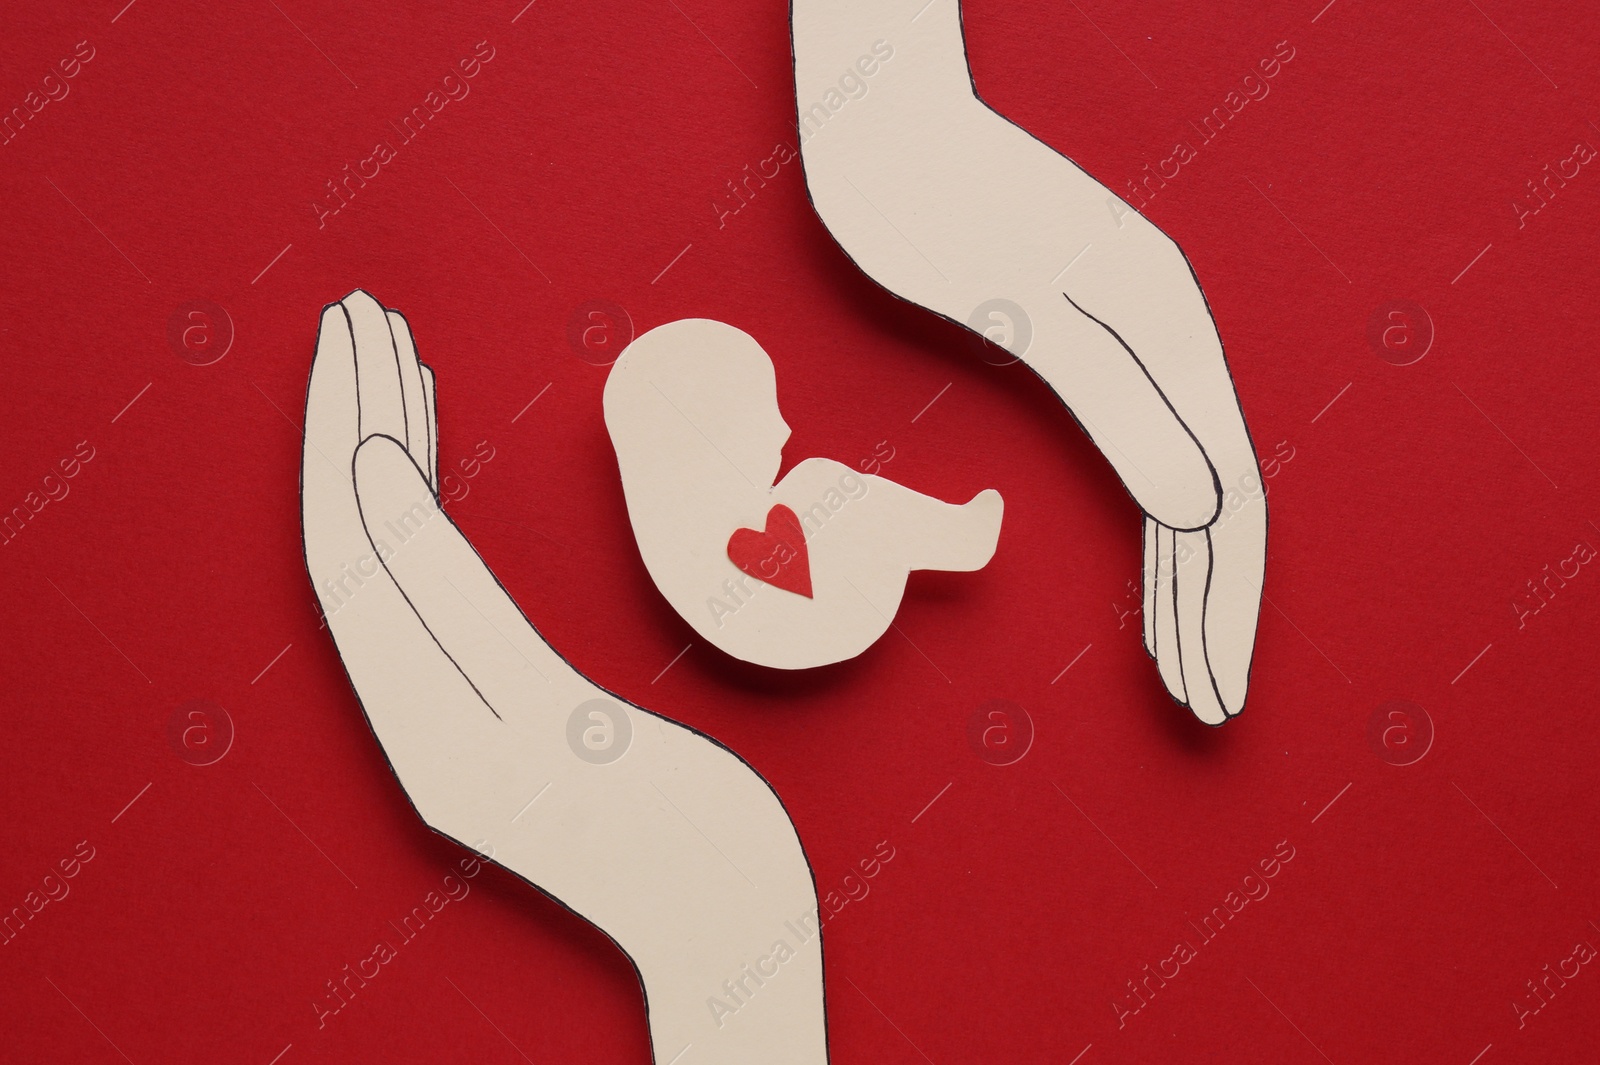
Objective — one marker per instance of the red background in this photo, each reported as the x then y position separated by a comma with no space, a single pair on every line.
1413,511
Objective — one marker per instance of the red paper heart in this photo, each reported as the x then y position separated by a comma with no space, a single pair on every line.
776,556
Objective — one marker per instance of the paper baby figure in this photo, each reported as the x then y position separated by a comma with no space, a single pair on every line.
800,573
663,838
949,205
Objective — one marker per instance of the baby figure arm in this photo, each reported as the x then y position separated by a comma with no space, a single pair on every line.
934,534
905,527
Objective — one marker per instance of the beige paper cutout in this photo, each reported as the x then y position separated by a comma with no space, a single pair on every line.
692,409
658,835
951,206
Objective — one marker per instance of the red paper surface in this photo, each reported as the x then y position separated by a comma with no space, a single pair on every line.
1411,506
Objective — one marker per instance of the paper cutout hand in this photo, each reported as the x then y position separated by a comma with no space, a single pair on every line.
951,206
661,837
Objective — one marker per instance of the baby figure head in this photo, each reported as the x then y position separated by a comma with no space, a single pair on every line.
690,398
